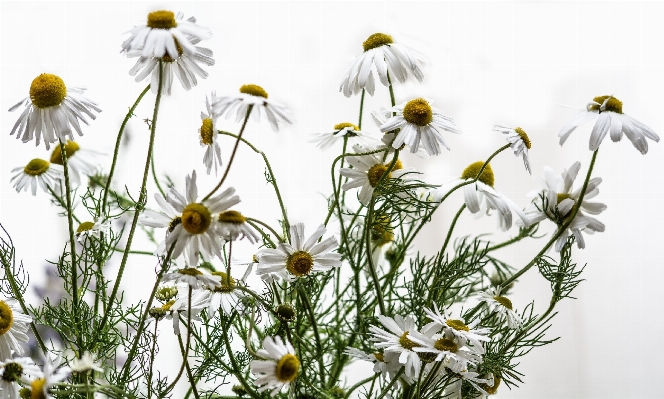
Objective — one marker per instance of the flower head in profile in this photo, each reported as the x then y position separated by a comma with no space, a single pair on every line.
607,110
79,160
85,363
367,170
279,368
52,373
190,223
172,310
389,60
208,136
255,97
419,122
225,298
13,328
341,131
92,229
459,329
495,302
556,202
37,172
299,258
233,226
14,370
194,278
385,363
519,142
51,111
164,34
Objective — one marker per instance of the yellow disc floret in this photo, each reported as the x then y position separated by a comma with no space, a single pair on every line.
446,344
161,19
196,218
207,131
418,112
254,90
613,105
503,300
36,167
377,40
376,172
287,368
47,90
473,169
524,137
406,343
190,271
12,372
457,325
300,263
70,149
343,125
233,217
85,226
227,282
37,388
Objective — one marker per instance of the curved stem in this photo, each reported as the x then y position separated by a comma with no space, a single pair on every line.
359,122
230,161
192,380
236,368
185,353
152,353
314,327
389,80
359,384
449,232
267,226
156,180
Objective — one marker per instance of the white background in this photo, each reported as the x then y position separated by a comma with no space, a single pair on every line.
491,62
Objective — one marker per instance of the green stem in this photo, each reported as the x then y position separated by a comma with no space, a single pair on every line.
185,353
267,226
394,381
359,384
117,146
61,202
192,380
359,122
314,326
230,161
236,368
156,180
152,353
389,80
449,232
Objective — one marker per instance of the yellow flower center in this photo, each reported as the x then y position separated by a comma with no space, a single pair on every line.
37,388
613,105
418,112
343,125
382,232
524,137
457,325
6,317
12,372
190,271
300,263
196,218
47,90
227,283
503,300
254,90
167,306
406,343
70,149
254,258
286,312
377,40
168,58
287,368
161,19
562,197
85,226
491,390
207,131
473,169
445,344
36,167
233,217
379,356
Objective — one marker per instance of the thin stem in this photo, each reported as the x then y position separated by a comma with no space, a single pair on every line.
154,176
267,226
561,229
117,146
185,353
359,122
314,326
359,384
230,161
152,353
236,369
449,232
389,80
394,381
337,190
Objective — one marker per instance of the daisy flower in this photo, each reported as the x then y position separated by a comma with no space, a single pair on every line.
37,172
233,226
164,35
51,111
454,390
519,142
280,367
556,200
385,57
446,348
481,193
367,170
92,229
380,118
43,380
172,310
194,278
85,363
208,136
610,119
79,160
186,66
459,330
386,364
255,96
14,370
419,121
189,222
341,130
299,258
224,297
501,305
13,328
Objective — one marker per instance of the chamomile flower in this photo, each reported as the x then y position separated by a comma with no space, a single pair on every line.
186,66
384,57
172,310
367,170
444,347
79,160
256,97
92,229
208,136
386,364
519,142
14,370
279,368
557,199
51,111
610,119
194,278
454,390
225,297
497,303
164,34
419,122
232,225
13,328
459,329
300,258
190,223
85,363
481,194
51,373
37,172
341,130
380,118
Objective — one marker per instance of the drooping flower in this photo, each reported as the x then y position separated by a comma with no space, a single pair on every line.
387,364
208,136
499,304
519,142
279,368
233,226
85,363
14,370
459,329
92,229
341,130
79,160
256,97
13,328
194,278
37,172
225,297
172,310
51,373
